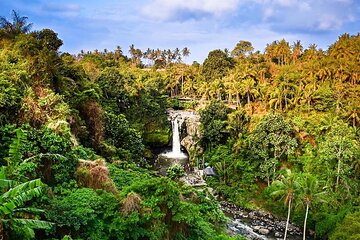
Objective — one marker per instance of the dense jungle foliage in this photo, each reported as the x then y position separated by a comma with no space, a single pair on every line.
77,132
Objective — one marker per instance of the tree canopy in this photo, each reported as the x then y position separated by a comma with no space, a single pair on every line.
79,134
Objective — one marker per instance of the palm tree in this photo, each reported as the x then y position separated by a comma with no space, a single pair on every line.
230,86
287,187
353,114
216,89
17,26
311,52
342,48
177,55
203,89
169,56
270,51
185,52
13,198
310,193
297,50
307,97
283,52
246,76
248,87
132,52
276,99
310,72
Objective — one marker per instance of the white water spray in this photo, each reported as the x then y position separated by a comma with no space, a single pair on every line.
176,147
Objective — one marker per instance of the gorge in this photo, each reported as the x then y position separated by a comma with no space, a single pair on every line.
252,224
93,146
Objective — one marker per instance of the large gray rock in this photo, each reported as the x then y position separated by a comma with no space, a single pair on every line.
264,231
190,132
257,228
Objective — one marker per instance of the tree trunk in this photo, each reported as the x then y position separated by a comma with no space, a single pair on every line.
306,215
338,174
288,219
1,230
182,84
354,122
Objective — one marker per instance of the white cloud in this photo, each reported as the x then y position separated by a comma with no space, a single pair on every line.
286,14
286,3
165,9
201,25
68,10
268,12
307,15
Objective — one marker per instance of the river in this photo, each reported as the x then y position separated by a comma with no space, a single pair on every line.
255,225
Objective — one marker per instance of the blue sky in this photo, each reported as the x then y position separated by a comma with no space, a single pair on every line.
201,25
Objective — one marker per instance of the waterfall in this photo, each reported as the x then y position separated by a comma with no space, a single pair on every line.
176,137
176,147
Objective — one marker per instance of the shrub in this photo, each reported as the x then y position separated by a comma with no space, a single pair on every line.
175,171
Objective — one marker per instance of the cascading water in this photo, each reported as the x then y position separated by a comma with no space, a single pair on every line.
176,147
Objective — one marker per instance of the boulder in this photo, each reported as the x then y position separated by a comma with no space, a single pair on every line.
209,172
264,231
257,228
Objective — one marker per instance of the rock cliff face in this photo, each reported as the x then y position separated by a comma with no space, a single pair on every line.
190,131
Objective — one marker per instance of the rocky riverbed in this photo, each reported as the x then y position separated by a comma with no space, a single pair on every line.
258,224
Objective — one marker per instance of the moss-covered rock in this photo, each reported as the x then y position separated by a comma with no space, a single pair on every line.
156,139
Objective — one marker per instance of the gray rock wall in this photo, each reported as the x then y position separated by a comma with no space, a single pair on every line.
190,132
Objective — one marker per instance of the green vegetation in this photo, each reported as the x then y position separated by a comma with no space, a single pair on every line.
77,134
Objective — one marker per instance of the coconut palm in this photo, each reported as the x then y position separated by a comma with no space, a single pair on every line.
310,192
132,52
353,114
248,87
232,88
311,53
185,52
216,89
176,56
245,74
270,51
287,187
283,52
18,25
275,100
297,50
